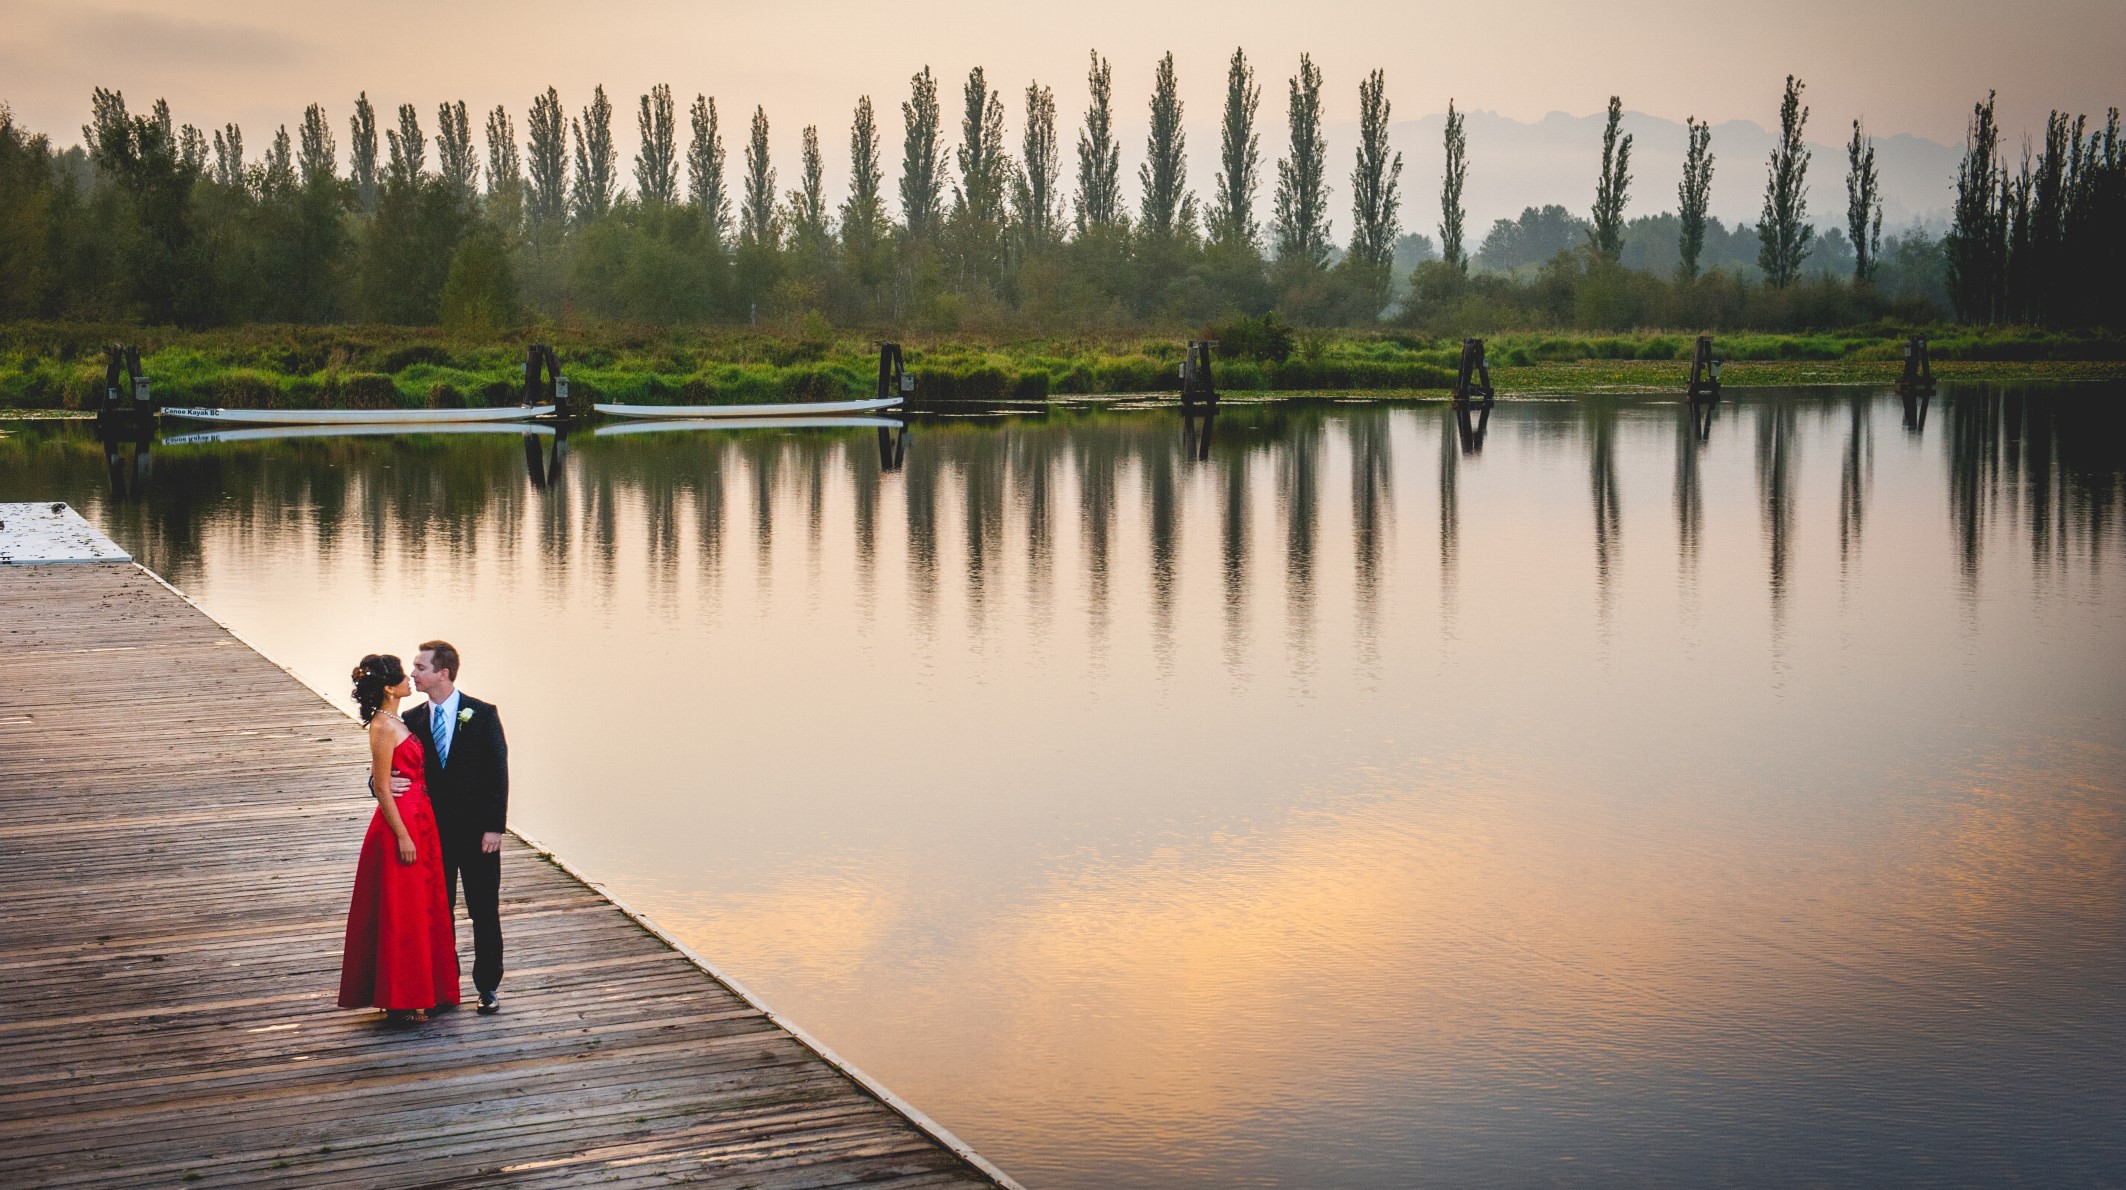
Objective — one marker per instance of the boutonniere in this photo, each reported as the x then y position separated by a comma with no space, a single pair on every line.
464,716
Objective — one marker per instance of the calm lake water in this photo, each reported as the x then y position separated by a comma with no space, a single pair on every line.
1345,805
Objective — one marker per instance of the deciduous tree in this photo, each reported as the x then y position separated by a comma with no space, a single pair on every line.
1782,234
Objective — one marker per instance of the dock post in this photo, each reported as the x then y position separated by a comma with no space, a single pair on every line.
1199,389
127,406
894,378
1704,372
1473,382
1918,377
544,384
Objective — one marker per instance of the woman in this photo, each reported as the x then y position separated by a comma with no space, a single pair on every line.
401,955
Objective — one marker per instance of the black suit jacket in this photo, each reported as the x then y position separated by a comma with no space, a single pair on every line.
471,793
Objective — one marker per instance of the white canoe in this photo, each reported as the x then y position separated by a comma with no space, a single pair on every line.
749,423
794,409
357,417
275,433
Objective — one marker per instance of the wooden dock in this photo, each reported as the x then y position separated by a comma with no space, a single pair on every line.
179,819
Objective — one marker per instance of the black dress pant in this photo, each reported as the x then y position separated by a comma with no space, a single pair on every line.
482,873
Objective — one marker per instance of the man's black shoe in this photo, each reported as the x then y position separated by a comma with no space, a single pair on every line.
490,1004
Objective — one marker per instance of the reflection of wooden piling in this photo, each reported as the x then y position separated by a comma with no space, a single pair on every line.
892,447
126,407
1198,391
1918,377
894,378
545,385
1701,419
1197,425
1704,371
1473,382
1470,427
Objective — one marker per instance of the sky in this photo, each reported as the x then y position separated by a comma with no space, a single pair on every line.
1905,66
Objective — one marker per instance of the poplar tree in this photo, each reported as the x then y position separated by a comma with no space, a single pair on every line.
361,129
1782,237
1034,186
1167,207
922,160
864,211
277,177
456,160
1302,183
1451,214
229,156
1240,155
1374,179
505,166
978,196
1863,204
1612,190
408,160
756,224
1976,244
505,171
657,164
1693,194
1099,201
318,158
192,148
546,164
705,185
807,205
597,164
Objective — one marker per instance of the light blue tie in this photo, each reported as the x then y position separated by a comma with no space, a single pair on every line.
442,735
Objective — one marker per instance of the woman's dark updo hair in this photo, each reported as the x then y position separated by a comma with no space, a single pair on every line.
377,673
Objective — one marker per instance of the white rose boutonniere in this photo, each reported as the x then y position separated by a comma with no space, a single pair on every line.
464,716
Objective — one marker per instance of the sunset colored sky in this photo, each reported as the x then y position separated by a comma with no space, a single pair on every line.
1906,66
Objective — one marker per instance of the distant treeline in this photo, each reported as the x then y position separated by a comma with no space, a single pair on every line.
159,223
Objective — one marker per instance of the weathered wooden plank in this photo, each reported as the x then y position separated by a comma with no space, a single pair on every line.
166,992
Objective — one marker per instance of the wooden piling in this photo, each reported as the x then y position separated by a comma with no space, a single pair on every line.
1918,377
1473,381
894,379
127,409
1704,372
1199,389
544,384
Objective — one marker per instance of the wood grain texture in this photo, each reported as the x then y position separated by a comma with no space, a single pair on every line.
175,890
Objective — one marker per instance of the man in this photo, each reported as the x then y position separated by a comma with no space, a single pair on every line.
468,783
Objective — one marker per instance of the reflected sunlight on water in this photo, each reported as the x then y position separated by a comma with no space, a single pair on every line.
1607,800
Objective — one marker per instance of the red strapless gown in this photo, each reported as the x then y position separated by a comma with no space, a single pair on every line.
400,950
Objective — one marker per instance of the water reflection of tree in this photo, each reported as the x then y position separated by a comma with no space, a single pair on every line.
1372,515
1689,500
1856,476
2039,470
1601,415
1298,505
2052,464
1778,446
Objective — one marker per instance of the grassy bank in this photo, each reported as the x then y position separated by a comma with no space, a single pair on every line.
61,366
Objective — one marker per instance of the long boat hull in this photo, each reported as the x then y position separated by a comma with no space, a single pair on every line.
357,417
277,433
793,409
747,423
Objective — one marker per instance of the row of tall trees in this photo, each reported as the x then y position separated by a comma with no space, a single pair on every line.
170,224
2045,243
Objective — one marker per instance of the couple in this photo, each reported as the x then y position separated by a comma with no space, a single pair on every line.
441,781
